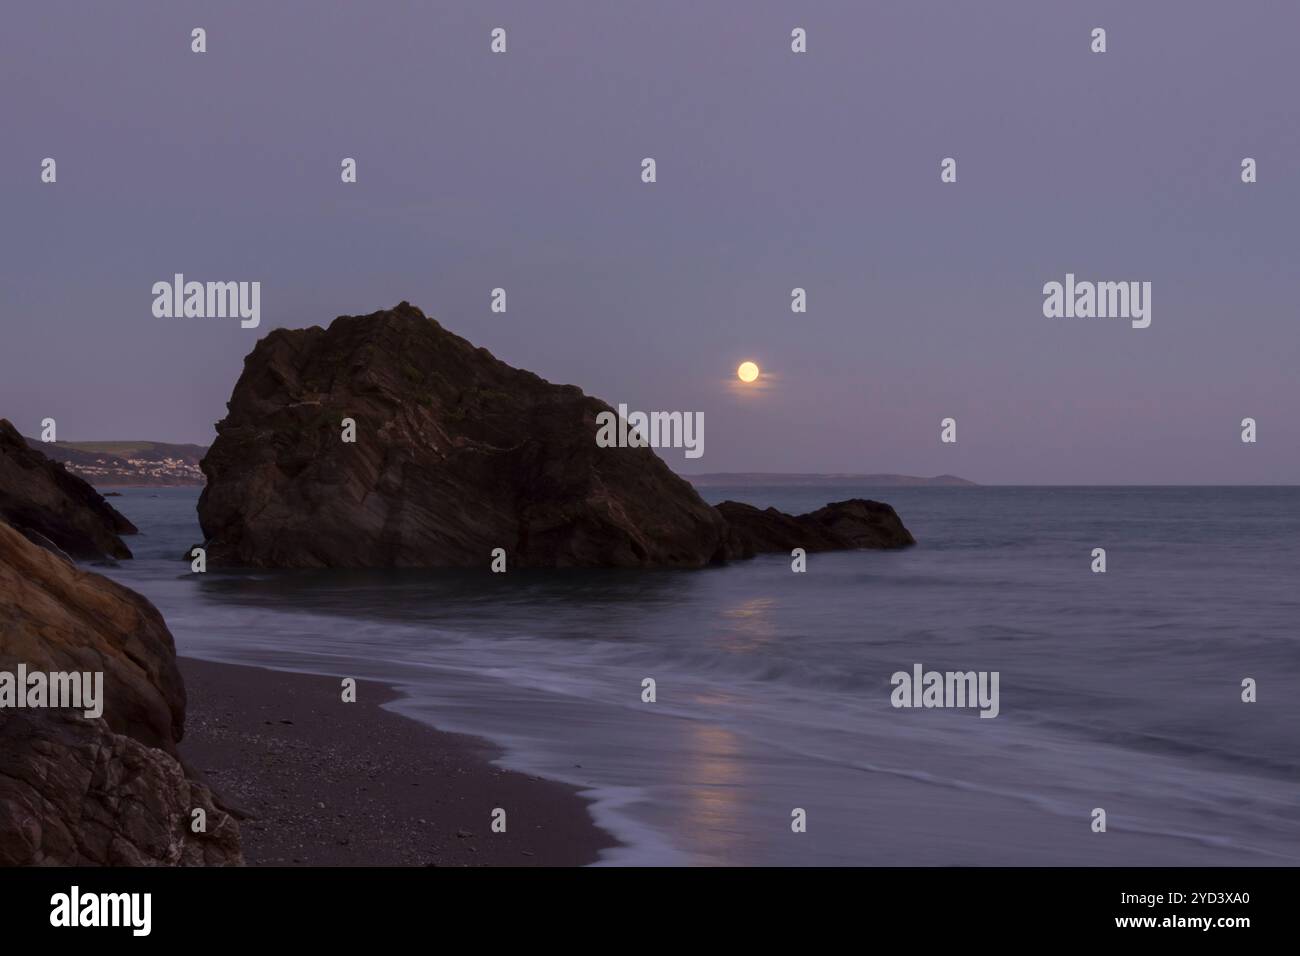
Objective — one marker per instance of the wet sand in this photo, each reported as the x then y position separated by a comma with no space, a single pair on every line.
319,782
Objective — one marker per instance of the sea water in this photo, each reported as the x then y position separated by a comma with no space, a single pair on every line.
1119,691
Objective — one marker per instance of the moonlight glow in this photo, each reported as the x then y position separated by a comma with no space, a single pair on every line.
747,372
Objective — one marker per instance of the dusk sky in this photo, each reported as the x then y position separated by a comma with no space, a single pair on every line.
775,170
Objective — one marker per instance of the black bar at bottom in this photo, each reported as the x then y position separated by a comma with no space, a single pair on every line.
328,906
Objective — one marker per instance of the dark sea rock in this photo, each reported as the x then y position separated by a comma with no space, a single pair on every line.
49,504
456,454
98,791
840,525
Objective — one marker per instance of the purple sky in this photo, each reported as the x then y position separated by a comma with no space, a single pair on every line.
775,170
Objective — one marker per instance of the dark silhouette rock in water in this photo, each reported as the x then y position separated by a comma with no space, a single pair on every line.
52,506
456,454
840,525
107,790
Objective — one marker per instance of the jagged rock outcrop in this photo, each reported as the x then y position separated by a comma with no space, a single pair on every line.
109,790
456,454
52,506
840,525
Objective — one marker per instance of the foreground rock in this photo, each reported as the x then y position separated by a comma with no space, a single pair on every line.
456,454
54,507
78,790
856,523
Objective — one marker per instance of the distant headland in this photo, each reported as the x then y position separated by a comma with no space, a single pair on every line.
733,478
126,463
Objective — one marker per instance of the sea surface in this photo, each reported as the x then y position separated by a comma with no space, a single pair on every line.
1118,691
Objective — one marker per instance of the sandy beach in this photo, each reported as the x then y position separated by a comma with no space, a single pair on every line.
320,782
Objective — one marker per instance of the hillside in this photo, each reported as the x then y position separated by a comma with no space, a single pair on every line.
735,478
108,463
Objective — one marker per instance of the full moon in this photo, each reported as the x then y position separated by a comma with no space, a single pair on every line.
747,372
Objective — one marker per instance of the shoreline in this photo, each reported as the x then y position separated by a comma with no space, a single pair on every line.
137,486
316,782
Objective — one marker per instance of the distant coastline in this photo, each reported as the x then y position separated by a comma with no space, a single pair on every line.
732,478
149,464
127,464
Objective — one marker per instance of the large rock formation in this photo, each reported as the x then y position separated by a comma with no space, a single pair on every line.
456,454
52,506
108,790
